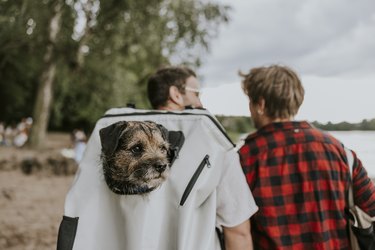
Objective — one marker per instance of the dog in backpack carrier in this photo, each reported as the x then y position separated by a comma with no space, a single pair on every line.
134,156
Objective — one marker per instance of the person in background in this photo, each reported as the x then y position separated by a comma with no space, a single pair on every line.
2,133
79,141
298,174
9,134
177,88
22,133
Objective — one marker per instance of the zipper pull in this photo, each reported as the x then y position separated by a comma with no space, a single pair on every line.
207,161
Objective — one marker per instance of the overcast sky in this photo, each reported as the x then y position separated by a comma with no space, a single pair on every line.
330,43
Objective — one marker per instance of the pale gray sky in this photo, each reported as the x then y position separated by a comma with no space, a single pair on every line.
330,43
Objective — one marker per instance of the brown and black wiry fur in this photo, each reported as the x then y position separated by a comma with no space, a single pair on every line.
134,156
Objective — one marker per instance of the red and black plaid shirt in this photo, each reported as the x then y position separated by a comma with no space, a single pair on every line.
299,178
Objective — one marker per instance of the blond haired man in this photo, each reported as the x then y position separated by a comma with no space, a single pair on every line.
297,173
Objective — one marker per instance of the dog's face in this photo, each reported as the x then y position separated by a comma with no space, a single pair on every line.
134,156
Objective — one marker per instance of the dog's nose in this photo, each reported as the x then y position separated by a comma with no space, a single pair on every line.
160,167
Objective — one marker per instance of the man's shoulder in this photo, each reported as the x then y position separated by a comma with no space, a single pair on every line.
279,135
318,135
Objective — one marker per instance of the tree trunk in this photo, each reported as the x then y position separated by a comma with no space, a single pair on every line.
45,88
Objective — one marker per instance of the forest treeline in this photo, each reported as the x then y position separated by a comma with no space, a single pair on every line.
346,126
239,125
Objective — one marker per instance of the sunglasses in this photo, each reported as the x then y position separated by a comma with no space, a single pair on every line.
196,91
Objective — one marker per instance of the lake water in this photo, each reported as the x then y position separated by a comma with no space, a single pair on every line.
363,143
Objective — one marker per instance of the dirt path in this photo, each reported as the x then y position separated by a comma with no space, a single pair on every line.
31,206
31,210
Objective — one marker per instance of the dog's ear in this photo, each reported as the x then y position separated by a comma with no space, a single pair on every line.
176,140
109,137
163,131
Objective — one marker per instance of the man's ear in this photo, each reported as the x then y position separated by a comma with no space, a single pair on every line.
259,106
175,96
262,104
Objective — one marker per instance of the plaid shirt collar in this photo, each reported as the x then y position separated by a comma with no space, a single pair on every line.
277,126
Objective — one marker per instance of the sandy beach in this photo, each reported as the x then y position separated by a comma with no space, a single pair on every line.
32,204
31,210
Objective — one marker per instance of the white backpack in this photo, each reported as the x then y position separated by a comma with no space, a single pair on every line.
95,218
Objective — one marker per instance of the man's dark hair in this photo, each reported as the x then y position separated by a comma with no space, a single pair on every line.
159,83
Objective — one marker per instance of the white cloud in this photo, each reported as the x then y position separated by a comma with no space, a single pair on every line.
331,44
226,99
326,99
339,32
350,54
338,99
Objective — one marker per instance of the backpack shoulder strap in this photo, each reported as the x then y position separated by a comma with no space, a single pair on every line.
350,158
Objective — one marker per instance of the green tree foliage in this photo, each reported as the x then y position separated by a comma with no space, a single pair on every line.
104,52
21,56
236,126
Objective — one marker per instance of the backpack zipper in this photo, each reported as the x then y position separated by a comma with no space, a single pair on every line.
194,178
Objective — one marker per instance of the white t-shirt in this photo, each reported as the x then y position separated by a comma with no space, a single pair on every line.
235,203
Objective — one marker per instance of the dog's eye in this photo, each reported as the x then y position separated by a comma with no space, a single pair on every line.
137,149
163,149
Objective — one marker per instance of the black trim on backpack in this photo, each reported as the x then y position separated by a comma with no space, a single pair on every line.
173,113
67,233
220,235
176,139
